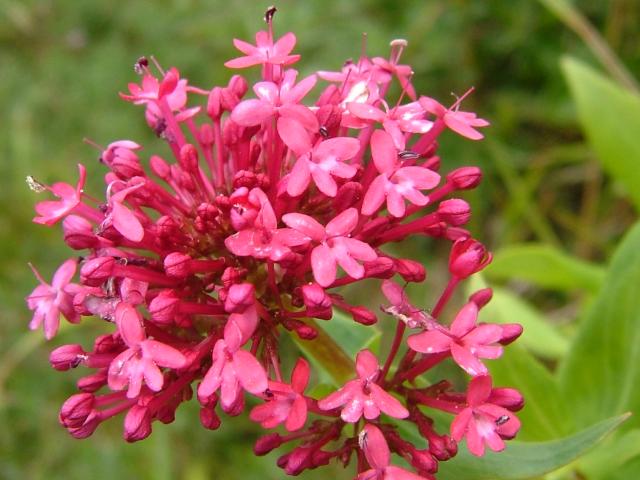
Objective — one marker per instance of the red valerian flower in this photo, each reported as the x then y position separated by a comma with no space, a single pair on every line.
285,403
466,341
265,51
485,420
463,123
51,211
364,396
335,246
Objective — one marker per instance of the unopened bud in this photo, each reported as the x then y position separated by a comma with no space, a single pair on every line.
67,357
468,256
76,409
410,270
465,178
363,315
176,265
137,424
454,211
97,270
267,443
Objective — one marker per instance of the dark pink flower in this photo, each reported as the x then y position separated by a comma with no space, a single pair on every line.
264,239
395,182
287,403
335,247
467,341
484,421
265,51
49,301
51,211
376,451
143,357
364,395
467,257
463,123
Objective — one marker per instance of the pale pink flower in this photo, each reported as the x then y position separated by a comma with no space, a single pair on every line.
466,341
49,301
321,162
463,123
143,357
265,51
363,395
395,182
287,402
485,420
264,239
335,247
50,211
376,451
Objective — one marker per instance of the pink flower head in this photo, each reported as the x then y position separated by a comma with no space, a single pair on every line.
283,100
143,357
321,162
264,239
287,403
232,370
51,211
395,182
363,395
265,51
335,247
49,301
467,341
463,123
485,421
376,451
396,122
402,308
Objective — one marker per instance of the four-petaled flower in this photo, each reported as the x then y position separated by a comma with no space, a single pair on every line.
377,453
485,420
467,341
395,182
50,211
463,123
48,301
287,403
143,357
335,246
265,51
363,395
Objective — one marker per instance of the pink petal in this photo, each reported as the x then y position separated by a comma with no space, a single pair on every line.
396,473
342,148
294,135
152,375
125,222
299,177
323,265
243,62
119,370
285,44
297,415
242,243
302,115
349,265
64,273
359,250
392,128
421,177
129,323
375,447
465,320
475,442
395,202
353,409
51,322
305,224
244,47
230,388
461,127
325,183
394,293
388,404
430,342
375,196
267,91
366,111
383,151
460,424
164,355
343,224
367,365
370,409
252,112
337,398
300,375
483,335
249,372
479,390
432,106
298,92
467,361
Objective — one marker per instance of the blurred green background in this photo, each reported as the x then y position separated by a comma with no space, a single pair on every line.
63,62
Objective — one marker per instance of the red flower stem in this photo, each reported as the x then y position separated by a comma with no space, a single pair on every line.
172,125
220,157
395,346
401,231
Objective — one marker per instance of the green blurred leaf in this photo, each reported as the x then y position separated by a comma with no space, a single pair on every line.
611,456
601,374
545,415
337,343
522,460
610,117
545,266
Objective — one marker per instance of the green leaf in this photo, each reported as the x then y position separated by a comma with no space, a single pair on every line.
610,117
545,414
601,374
337,343
544,266
611,456
522,460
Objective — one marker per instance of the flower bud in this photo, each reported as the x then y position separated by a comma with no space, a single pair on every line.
423,461
88,427
317,301
381,267
267,443
160,167
468,256
363,315
240,297
214,105
67,357
93,383
238,85
188,158
176,265
510,332
509,398
137,424
209,418
97,270
164,307
76,409
442,447
78,233
410,270
465,178
454,211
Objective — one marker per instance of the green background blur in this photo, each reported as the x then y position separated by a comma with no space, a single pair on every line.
62,64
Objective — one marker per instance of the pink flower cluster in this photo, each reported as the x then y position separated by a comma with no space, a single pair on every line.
271,202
